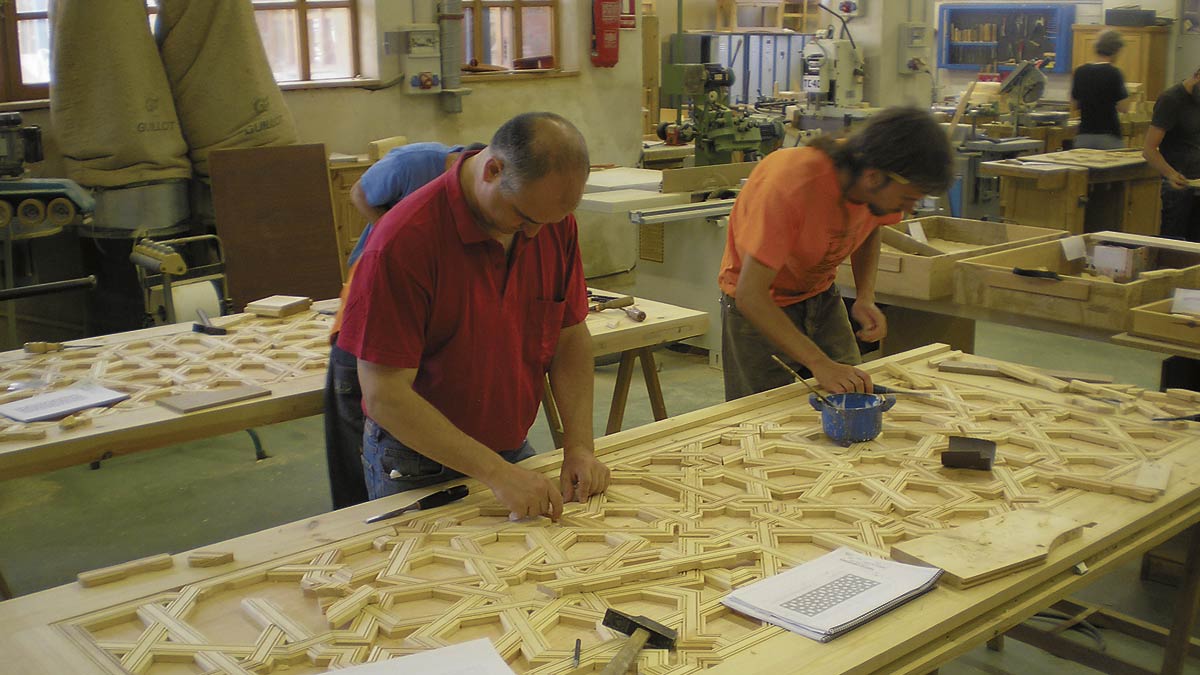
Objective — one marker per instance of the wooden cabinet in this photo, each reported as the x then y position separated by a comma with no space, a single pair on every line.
1143,59
348,223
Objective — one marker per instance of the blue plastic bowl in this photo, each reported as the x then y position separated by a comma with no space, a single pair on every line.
856,418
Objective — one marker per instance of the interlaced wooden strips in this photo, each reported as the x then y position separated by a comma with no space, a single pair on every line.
256,351
690,515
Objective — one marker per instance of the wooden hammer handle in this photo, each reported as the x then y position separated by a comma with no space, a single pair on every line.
628,654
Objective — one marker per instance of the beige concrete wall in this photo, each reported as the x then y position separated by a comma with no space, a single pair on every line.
605,103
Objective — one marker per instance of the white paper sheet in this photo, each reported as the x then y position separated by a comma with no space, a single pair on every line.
1074,248
916,231
1186,301
826,597
477,657
61,402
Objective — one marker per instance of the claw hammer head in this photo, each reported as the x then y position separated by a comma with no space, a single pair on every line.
661,637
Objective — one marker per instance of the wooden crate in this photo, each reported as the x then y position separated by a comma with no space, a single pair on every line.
910,270
1155,320
988,281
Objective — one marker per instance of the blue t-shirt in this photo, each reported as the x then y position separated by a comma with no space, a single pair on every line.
400,173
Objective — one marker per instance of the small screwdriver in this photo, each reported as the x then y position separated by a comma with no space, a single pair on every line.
46,347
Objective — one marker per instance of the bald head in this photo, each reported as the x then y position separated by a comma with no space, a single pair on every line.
536,145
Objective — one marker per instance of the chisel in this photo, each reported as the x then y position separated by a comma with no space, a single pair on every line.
434,500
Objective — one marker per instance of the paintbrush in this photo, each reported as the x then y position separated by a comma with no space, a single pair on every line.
803,381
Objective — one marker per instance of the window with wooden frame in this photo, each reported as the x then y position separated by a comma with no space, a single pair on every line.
309,40
26,39
499,33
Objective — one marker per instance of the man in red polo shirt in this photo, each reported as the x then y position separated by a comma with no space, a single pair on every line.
468,292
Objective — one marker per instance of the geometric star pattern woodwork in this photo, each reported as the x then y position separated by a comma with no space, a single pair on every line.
690,514
257,351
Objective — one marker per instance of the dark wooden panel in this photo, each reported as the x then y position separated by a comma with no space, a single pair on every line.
275,218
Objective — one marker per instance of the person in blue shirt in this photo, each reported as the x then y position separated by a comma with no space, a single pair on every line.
400,172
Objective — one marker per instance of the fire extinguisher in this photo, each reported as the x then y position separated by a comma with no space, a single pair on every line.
606,19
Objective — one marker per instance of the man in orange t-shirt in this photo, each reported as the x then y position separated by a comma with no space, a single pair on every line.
802,212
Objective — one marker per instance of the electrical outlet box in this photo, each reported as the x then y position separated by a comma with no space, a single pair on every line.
420,54
845,8
915,44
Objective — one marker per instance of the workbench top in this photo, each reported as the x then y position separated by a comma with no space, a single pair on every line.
699,504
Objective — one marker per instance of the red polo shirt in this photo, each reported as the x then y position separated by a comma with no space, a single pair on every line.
433,291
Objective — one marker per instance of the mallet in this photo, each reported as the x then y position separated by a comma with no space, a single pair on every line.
642,632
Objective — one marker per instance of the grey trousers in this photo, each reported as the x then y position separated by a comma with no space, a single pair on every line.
746,353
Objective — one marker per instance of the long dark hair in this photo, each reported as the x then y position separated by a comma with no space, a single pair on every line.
904,141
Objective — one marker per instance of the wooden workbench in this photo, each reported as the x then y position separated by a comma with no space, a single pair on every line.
699,504
288,356
1081,191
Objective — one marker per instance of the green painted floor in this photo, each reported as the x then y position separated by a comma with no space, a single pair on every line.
173,499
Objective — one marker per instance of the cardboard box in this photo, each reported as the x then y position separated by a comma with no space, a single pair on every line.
1155,321
911,270
988,281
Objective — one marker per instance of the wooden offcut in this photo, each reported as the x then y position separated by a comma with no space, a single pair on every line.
982,551
106,575
200,400
274,215
279,305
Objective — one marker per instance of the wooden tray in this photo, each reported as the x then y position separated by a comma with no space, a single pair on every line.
988,281
910,270
1155,320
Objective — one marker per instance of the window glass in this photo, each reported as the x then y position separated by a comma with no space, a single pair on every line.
497,27
537,31
330,48
279,36
34,38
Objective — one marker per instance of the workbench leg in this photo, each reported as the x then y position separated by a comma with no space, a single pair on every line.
1179,372
653,387
553,420
5,592
996,644
616,414
1186,604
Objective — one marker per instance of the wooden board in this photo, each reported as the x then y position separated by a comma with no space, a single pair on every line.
1092,159
274,215
705,178
980,552
699,504
201,400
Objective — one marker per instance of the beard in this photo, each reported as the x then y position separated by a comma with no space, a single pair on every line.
879,211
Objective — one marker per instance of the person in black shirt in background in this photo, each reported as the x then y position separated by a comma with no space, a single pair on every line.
1173,148
1098,90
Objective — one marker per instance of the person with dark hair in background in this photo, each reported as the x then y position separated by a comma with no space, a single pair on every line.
1173,148
468,293
800,214
1098,90
401,172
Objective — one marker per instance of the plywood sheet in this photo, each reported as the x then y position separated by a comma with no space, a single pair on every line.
274,215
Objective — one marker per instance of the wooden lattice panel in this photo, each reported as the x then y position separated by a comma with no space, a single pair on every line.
713,501
151,364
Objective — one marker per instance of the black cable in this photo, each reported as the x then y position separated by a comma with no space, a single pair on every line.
845,28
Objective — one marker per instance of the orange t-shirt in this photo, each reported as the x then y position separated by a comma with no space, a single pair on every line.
791,216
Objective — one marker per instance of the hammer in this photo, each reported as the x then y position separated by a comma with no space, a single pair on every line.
642,632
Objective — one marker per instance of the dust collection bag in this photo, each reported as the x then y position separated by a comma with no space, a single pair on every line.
110,107
224,89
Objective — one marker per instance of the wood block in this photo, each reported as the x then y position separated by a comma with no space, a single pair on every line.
1028,376
279,305
970,368
105,575
1105,487
209,558
199,400
990,548
1154,476
75,421
377,149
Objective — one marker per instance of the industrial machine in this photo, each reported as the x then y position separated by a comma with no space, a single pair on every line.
41,206
718,128
165,277
833,73
1024,87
